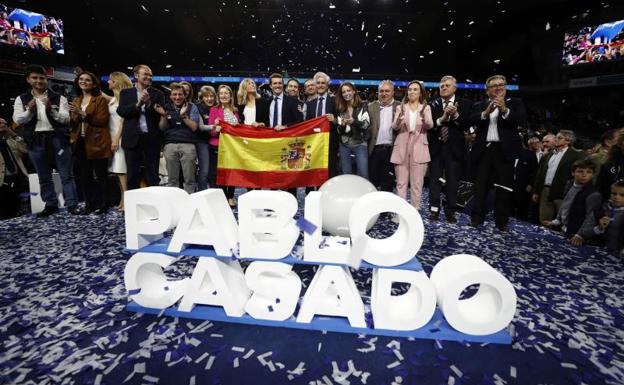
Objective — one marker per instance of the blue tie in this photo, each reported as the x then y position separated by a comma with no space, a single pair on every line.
319,106
275,99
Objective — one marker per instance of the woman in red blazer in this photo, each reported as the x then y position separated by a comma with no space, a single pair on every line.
223,111
410,154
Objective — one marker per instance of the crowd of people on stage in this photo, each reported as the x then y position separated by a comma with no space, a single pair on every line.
394,144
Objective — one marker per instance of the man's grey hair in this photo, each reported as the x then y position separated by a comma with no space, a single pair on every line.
321,75
569,135
389,82
449,77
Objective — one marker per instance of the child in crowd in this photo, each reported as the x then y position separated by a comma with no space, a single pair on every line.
577,215
611,222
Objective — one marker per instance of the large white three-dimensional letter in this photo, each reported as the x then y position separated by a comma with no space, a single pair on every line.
276,290
489,310
401,246
219,283
147,284
332,292
150,212
408,311
206,220
266,226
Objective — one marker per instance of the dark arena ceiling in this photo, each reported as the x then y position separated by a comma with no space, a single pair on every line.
357,38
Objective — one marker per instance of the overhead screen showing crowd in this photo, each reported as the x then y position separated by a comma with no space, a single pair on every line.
23,28
604,42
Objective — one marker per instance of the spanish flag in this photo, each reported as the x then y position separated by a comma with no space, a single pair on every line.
260,157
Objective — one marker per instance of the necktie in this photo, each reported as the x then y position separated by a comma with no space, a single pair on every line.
319,106
444,133
275,101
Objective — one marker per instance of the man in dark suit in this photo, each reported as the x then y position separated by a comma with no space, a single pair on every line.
446,146
381,139
524,175
553,174
325,105
140,137
283,109
497,146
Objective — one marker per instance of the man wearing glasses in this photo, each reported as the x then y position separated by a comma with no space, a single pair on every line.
497,146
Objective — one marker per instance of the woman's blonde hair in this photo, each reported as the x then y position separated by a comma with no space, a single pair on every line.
230,105
121,81
242,91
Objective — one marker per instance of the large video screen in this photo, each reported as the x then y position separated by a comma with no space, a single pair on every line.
592,44
24,28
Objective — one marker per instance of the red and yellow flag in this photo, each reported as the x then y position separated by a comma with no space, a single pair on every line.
261,157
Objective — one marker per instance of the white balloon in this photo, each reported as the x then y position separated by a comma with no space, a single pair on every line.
339,195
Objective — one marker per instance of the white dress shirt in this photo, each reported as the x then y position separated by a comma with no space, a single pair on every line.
323,105
447,103
60,113
384,136
280,101
142,120
492,134
553,164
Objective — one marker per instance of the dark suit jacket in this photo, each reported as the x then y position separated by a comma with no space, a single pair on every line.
525,170
330,107
562,175
128,110
290,111
456,127
373,112
262,111
510,140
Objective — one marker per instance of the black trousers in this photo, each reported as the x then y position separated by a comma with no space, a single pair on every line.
145,154
444,164
493,167
10,200
381,171
93,178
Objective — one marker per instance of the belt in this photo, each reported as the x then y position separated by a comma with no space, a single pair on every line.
384,145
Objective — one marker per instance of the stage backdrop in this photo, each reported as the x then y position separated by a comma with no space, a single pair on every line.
262,157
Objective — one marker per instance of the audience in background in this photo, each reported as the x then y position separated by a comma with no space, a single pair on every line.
91,139
179,119
44,117
613,168
191,133
577,213
13,174
353,122
207,100
117,81
223,111
611,220
410,154
141,137
553,174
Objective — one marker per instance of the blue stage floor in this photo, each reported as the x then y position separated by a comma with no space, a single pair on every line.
63,318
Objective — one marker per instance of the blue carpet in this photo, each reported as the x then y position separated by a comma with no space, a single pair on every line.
63,318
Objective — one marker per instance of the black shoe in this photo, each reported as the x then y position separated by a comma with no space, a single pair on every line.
434,216
47,211
476,222
100,211
75,210
450,218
